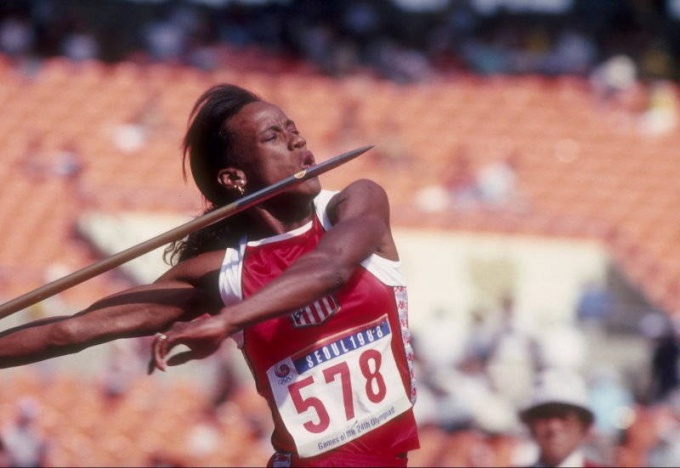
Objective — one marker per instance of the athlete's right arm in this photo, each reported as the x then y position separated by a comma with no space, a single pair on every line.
180,294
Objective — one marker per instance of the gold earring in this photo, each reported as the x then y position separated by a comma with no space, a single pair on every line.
241,189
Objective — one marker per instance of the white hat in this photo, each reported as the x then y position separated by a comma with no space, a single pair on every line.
559,388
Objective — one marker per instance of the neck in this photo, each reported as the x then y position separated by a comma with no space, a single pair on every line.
278,218
575,458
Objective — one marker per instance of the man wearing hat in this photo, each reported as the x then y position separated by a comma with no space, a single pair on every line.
559,420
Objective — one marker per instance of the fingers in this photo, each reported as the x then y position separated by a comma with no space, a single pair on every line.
161,347
202,338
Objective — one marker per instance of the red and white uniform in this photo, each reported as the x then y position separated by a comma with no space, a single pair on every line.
338,373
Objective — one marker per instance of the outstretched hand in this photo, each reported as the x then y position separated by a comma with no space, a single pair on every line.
202,336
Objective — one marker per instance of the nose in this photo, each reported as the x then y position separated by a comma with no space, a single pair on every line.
554,423
296,140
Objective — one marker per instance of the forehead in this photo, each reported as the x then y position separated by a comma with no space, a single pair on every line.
549,412
257,116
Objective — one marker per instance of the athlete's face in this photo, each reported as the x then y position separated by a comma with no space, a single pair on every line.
558,433
271,146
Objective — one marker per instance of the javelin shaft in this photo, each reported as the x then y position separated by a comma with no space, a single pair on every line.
242,204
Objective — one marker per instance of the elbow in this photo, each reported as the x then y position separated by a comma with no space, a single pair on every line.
74,334
335,276
64,333
318,274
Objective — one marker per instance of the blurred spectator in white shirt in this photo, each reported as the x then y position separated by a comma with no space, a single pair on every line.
612,79
25,445
661,113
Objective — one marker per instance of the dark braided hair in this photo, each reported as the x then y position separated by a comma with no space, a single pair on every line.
207,148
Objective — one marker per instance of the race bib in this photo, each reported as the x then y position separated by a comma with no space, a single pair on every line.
339,389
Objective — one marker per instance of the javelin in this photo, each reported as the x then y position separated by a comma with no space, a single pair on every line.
243,203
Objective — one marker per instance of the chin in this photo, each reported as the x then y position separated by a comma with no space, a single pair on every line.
301,194
311,187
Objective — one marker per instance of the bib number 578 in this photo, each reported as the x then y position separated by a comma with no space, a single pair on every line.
374,387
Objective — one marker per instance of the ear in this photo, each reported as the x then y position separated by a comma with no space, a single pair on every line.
231,178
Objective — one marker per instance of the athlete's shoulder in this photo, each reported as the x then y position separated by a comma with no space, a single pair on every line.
363,187
362,191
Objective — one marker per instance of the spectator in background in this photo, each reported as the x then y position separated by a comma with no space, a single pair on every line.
165,41
391,153
25,445
497,182
613,81
362,20
661,114
316,43
349,131
563,345
68,161
485,54
80,44
458,189
594,304
481,336
574,52
461,182
202,54
514,355
559,420
124,365
4,455
493,186
436,345
204,436
31,160
665,357
131,135
612,402
16,37
458,396
39,163
666,449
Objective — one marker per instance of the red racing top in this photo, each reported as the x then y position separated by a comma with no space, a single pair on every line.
338,373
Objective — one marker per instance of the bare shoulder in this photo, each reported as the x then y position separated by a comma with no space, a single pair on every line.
365,204
365,187
362,193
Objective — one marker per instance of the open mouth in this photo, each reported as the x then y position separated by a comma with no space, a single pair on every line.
307,159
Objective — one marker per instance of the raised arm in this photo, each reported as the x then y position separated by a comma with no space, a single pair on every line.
360,217
139,311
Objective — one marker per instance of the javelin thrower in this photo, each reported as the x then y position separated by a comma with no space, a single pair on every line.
307,282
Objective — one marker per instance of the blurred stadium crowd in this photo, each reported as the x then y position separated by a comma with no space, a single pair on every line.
403,40
95,96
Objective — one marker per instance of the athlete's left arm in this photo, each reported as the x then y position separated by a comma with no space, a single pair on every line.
360,218
361,227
